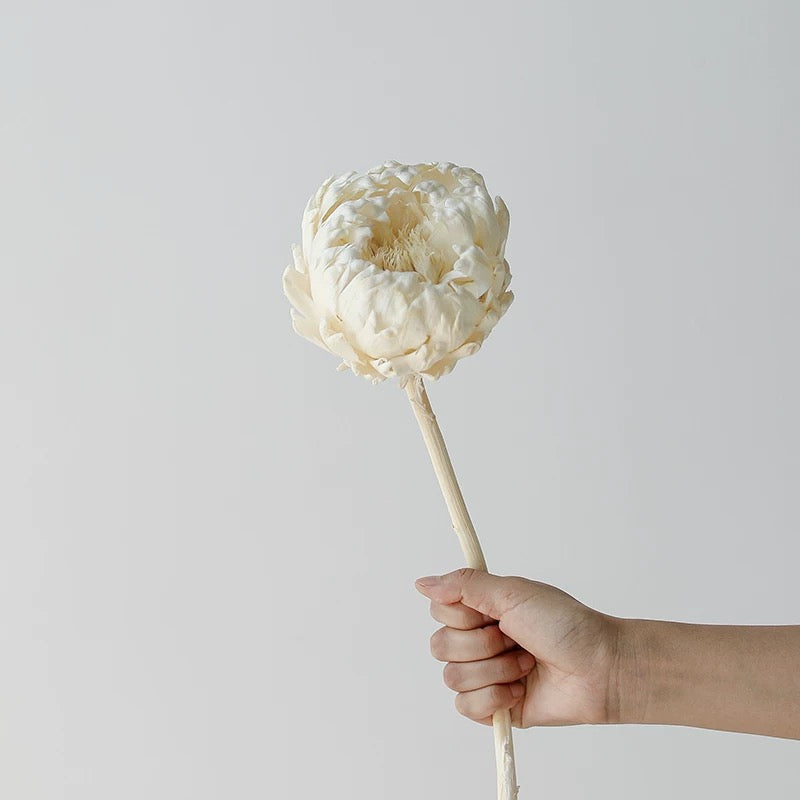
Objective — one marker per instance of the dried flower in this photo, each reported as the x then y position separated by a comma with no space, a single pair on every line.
402,269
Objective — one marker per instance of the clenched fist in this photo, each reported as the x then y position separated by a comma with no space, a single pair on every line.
518,644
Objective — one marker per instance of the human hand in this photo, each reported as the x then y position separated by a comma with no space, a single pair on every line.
519,644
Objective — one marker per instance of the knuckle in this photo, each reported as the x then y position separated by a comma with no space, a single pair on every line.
452,677
492,640
463,706
510,669
438,644
497,696
465,573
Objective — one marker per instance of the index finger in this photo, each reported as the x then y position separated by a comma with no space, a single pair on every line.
457,615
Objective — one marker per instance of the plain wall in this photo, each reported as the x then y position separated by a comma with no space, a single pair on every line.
208,537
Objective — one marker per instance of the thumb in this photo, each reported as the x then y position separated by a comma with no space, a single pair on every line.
493,595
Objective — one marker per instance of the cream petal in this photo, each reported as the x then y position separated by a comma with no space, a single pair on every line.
348,186
440,368
358,211
307,328
296,287
383,342
445,314
488,322
503,220
417,361
484,221
336,341
297,258
414,330
384,367
472,271
330,279
366,370
393,171
468,349
311,214
459,220
377,299
506,273
500,280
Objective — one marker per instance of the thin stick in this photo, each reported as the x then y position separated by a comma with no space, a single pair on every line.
507,788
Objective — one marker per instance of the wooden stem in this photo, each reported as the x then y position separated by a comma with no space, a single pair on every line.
415,389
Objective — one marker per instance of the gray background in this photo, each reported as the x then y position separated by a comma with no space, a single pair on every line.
209,537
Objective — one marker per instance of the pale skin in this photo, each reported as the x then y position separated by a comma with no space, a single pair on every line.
514,643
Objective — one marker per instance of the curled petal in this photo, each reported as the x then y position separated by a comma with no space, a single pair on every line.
336,342
297,258
473,271
503,220
307,328
297,289
365,370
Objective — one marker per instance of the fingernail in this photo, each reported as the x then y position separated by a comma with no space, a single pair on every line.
431,580
526,661
517,689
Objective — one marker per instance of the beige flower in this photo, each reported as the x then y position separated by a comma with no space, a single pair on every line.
401,270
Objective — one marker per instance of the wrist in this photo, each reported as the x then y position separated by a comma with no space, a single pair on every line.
630,679
664,671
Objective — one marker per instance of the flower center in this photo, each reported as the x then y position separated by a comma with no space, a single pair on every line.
407,249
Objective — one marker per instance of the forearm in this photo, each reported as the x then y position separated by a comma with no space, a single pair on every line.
726,677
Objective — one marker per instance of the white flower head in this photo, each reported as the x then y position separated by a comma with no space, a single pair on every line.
402,269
